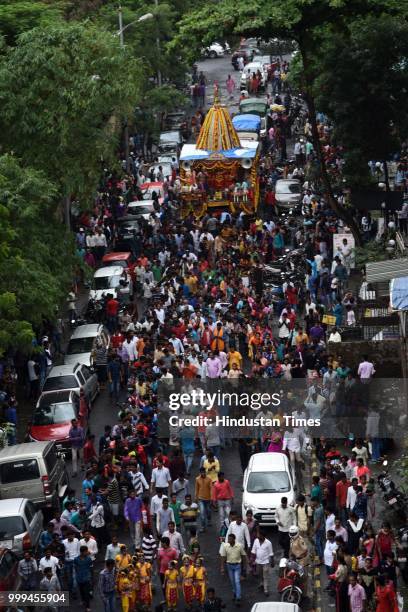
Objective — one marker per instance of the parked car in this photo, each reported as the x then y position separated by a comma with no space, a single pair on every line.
72,377
124,259
214,50
148,188
21,524
247,53
267,479
170,141
9,578
52,417
107,280
141,208
247,72
275,606
288,193
84,341
34,470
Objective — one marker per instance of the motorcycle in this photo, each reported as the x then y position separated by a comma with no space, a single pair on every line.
402,552
393,497
291,581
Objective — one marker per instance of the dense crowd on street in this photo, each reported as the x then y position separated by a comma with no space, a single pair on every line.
203,310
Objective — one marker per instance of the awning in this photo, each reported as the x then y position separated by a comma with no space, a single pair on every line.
189,152
379,271
246,123
399,293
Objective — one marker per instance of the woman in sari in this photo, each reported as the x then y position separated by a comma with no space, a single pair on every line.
144,569
187,573
171,586
200,581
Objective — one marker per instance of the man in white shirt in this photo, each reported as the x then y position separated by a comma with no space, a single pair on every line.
156,504
262,552
291,443
366,370
177,345
48,560
334,335
176,539
285,517
329,551
161,479
352,494
71,552
90,543
241,532
130,346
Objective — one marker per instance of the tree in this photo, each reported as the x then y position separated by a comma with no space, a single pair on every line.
60,87
362,86
36,253
295,20
18,16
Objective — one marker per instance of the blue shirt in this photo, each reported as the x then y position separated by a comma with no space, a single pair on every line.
83,566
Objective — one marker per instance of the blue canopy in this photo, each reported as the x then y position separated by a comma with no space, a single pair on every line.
399,293
246,123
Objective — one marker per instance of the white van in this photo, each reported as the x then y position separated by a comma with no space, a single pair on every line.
267,479
272,606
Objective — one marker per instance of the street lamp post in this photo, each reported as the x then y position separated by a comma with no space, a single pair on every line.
159,76
120,32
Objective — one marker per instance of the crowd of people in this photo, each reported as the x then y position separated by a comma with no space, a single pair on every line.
203,311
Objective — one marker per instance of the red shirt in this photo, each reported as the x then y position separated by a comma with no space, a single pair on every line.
112,307
222,490
116,340
164,459
341,493
164,556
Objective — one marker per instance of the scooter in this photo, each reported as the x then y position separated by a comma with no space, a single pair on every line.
291,581
393,497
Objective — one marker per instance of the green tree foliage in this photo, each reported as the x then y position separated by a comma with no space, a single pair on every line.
36,253
18,16
61,89
362,85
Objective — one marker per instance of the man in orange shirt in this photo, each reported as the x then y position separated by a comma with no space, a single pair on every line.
203,491
341,497
189,370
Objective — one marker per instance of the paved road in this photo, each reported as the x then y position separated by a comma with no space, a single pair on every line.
104,413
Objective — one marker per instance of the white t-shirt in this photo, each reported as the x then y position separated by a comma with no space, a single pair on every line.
52,562
329,551
262,551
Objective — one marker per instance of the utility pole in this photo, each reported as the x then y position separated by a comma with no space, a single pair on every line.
159,76
126,130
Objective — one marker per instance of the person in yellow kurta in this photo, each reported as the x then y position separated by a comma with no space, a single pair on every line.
200,581
124,587
134,579
171,587
145,582
187,573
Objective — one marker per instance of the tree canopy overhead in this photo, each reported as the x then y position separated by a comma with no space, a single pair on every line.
60,87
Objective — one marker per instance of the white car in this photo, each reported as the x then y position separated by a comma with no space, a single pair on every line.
288,193
247,72
141,208
107,280
83,342
275,606
214,50
267,479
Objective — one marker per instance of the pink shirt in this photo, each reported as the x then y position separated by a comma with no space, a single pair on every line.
213,367
357,596
165,555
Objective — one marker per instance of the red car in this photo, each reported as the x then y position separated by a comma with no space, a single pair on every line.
148,188
122,258
9,578
52,417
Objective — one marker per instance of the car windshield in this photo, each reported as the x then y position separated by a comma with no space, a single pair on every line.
289,188
54,414
56,383
142,209
11,526
105,282
268,482
118,262
80,345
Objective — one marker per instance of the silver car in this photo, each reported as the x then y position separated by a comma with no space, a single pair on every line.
73,376
288,193
83,342
20,525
